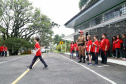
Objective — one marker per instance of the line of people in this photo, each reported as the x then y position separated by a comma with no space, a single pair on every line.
3,51
94,48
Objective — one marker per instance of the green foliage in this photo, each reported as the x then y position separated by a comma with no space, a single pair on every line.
14,44
19,21
58,38
58,47
82,3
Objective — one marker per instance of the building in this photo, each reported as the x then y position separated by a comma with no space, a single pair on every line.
102,16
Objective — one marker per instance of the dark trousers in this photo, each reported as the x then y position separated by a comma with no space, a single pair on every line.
118,50
114,52
35,58
95,57
5,53
125,52
104,57
0,53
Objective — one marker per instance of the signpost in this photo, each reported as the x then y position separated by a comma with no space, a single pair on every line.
61,42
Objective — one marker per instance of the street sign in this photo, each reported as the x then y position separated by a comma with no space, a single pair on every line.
61,42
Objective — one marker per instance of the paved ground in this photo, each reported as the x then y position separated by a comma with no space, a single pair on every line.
62,70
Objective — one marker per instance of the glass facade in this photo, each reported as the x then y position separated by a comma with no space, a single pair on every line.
118,11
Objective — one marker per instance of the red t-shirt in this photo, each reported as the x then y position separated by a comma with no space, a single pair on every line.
108,44
118,43
5,49
76,46
38,53
72,46
96,48
89,43
1,48
103,44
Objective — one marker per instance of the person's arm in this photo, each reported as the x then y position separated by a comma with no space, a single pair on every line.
116,41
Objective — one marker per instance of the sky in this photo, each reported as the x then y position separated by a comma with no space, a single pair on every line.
59,11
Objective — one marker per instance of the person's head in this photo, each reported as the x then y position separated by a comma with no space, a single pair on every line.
103,35
124,35
81,33
95,37
117,36
113,38
88,37
72,42
4,45
36,39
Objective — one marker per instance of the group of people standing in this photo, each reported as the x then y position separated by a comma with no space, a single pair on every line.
93,48
118,46
3,51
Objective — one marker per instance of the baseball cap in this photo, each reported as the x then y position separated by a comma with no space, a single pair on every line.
80,31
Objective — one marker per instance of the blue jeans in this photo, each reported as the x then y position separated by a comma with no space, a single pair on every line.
71,53
77,54
118,50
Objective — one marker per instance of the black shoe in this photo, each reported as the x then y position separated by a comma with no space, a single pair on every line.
29,67
84,59
80,61
45,67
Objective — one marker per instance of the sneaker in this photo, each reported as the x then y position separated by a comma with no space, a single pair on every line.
89,63
29,67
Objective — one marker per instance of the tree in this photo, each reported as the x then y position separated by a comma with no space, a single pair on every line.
19,20
58,38
83,3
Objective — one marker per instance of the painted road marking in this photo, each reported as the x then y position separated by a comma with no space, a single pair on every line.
112,82
13,59
103,66
23,74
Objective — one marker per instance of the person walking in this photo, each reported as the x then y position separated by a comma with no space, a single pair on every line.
81,44
118,43
37,54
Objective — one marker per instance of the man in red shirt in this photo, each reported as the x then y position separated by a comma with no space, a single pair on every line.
104,48
5,50
95,49
37,54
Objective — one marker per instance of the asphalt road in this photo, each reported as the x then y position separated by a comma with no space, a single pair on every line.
61,70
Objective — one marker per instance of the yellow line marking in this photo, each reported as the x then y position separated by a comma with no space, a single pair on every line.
22,75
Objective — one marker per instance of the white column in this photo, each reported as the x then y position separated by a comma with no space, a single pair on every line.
65,46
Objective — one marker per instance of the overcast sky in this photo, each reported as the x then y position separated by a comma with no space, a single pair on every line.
60,11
